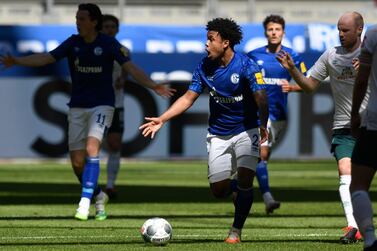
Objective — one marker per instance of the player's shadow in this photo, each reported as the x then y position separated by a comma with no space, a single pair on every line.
48,193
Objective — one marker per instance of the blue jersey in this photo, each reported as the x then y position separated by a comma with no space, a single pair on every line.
231,102
273,72
91,68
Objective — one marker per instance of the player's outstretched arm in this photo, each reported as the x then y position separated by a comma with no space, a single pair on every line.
359,90
34,60
181,105
143,79
307,84
262,102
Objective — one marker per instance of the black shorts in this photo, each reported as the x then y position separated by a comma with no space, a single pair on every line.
117,126
365,151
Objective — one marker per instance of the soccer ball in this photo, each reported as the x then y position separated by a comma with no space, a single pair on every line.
157,231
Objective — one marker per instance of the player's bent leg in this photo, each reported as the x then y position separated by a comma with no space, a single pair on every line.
221,189
101,201
242,204
114,142
78,163
361,179
263,179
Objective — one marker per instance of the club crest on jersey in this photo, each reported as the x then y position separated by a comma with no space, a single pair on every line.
235,78
98,51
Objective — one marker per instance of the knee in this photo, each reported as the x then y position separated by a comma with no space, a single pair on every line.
92,150
264,153
114,146
78,161
220,190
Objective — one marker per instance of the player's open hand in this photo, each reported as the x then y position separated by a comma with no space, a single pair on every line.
151,127
285,60
164,91
7,61
285,86
263,134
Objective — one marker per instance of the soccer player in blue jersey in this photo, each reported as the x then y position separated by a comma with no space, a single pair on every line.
277,85
237,94
91,57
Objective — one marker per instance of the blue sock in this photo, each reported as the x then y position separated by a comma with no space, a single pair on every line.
262,176
90,177
97,190
242,205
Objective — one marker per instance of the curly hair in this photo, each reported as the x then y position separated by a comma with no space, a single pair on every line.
227,28
274,19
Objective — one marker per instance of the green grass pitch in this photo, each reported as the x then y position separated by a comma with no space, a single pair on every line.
38,201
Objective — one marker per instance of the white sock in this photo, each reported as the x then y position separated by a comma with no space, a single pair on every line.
113,164
363,213
84,205
345,198
267,197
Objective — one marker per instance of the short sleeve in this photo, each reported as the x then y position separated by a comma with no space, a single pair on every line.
254,76
319,70
196,82
63,49
299,63
121,53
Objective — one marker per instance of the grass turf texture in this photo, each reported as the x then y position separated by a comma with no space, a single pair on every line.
38,201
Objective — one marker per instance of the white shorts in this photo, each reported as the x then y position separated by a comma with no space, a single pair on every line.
227,153
276,130
85,122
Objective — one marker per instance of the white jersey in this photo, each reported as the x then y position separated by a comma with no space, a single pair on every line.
119,93
337,64
370,45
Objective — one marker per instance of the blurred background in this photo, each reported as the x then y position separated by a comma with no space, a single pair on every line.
167,39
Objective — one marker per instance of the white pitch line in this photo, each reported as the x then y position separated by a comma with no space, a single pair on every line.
134,237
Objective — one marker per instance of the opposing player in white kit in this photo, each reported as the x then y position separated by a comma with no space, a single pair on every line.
236,96
364,157
340,64
91,56
110,27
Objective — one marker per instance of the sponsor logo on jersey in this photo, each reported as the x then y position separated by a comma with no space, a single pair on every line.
347,73
235,78
224,100
259,78
98,51
273,81
86,69
76,49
